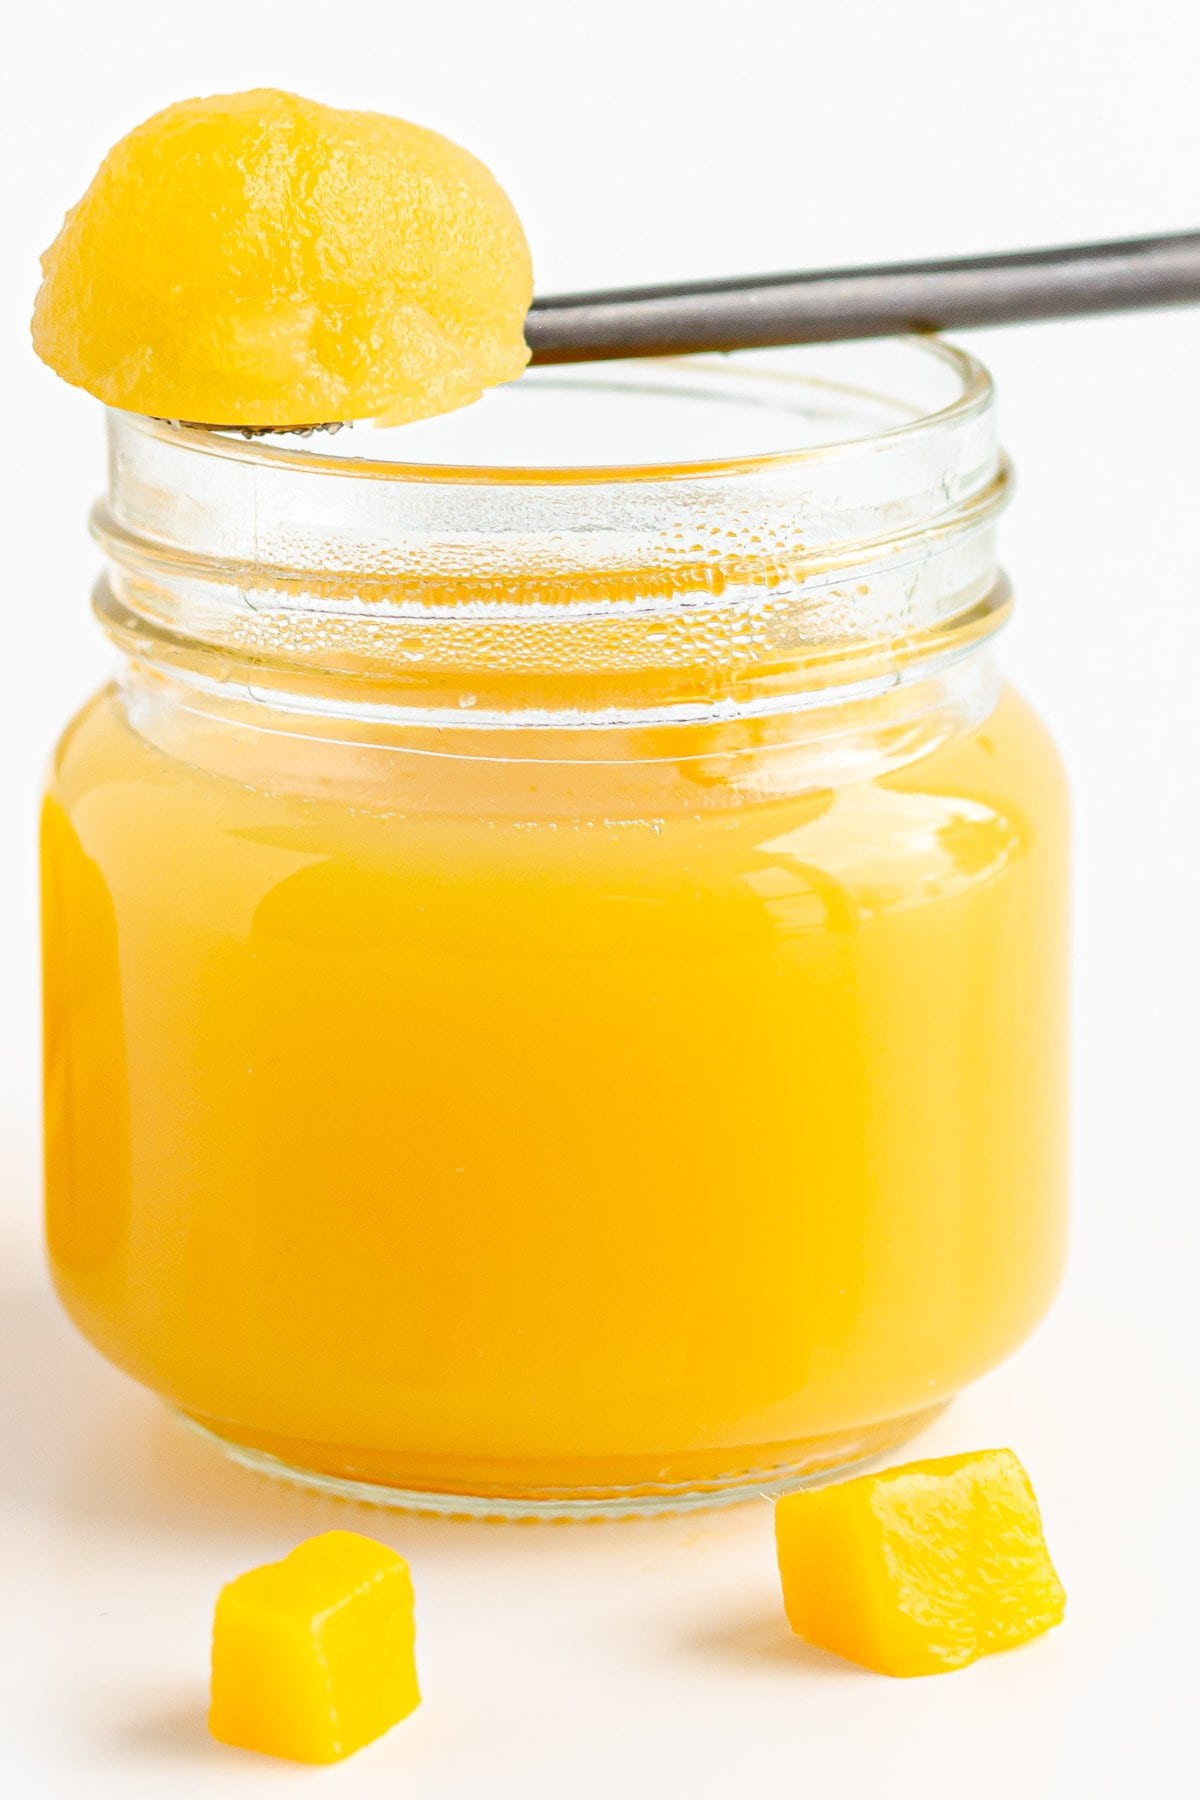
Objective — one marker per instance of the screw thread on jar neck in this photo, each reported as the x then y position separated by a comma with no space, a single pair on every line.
853,571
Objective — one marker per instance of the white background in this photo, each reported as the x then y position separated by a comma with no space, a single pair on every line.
645,140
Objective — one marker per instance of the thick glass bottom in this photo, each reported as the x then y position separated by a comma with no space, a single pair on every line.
789,1466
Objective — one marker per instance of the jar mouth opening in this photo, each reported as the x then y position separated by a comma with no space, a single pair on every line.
754,412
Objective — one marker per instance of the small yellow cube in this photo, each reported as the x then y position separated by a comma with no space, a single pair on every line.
313,1656
919,1569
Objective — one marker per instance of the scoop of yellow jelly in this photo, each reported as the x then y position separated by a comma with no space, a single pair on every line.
259,259
313,1656
921,1568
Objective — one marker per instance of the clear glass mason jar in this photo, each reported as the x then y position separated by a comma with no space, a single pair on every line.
555,974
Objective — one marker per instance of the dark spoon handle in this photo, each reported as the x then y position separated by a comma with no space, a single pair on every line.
825,304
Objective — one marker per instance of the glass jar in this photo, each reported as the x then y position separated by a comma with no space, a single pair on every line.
555,954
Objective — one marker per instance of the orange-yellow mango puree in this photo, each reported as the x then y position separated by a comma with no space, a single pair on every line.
458,1128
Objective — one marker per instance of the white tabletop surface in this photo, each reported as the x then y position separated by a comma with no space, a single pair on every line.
597,1660
650,1659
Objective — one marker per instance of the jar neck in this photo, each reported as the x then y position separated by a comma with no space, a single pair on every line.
833,594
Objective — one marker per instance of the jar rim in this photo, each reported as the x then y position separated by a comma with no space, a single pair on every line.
312,454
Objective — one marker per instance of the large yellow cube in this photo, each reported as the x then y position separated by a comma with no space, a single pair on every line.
313,1656
919,1569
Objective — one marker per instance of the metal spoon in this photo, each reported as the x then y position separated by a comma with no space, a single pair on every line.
821,305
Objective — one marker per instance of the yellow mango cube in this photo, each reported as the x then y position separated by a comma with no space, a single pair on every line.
313,1656
921,1568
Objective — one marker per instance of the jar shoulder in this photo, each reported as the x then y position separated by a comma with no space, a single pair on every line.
992,799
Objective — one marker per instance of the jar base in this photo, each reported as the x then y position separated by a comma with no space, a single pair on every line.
807,1462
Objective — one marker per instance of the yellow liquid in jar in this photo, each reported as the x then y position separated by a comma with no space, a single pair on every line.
552,1147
